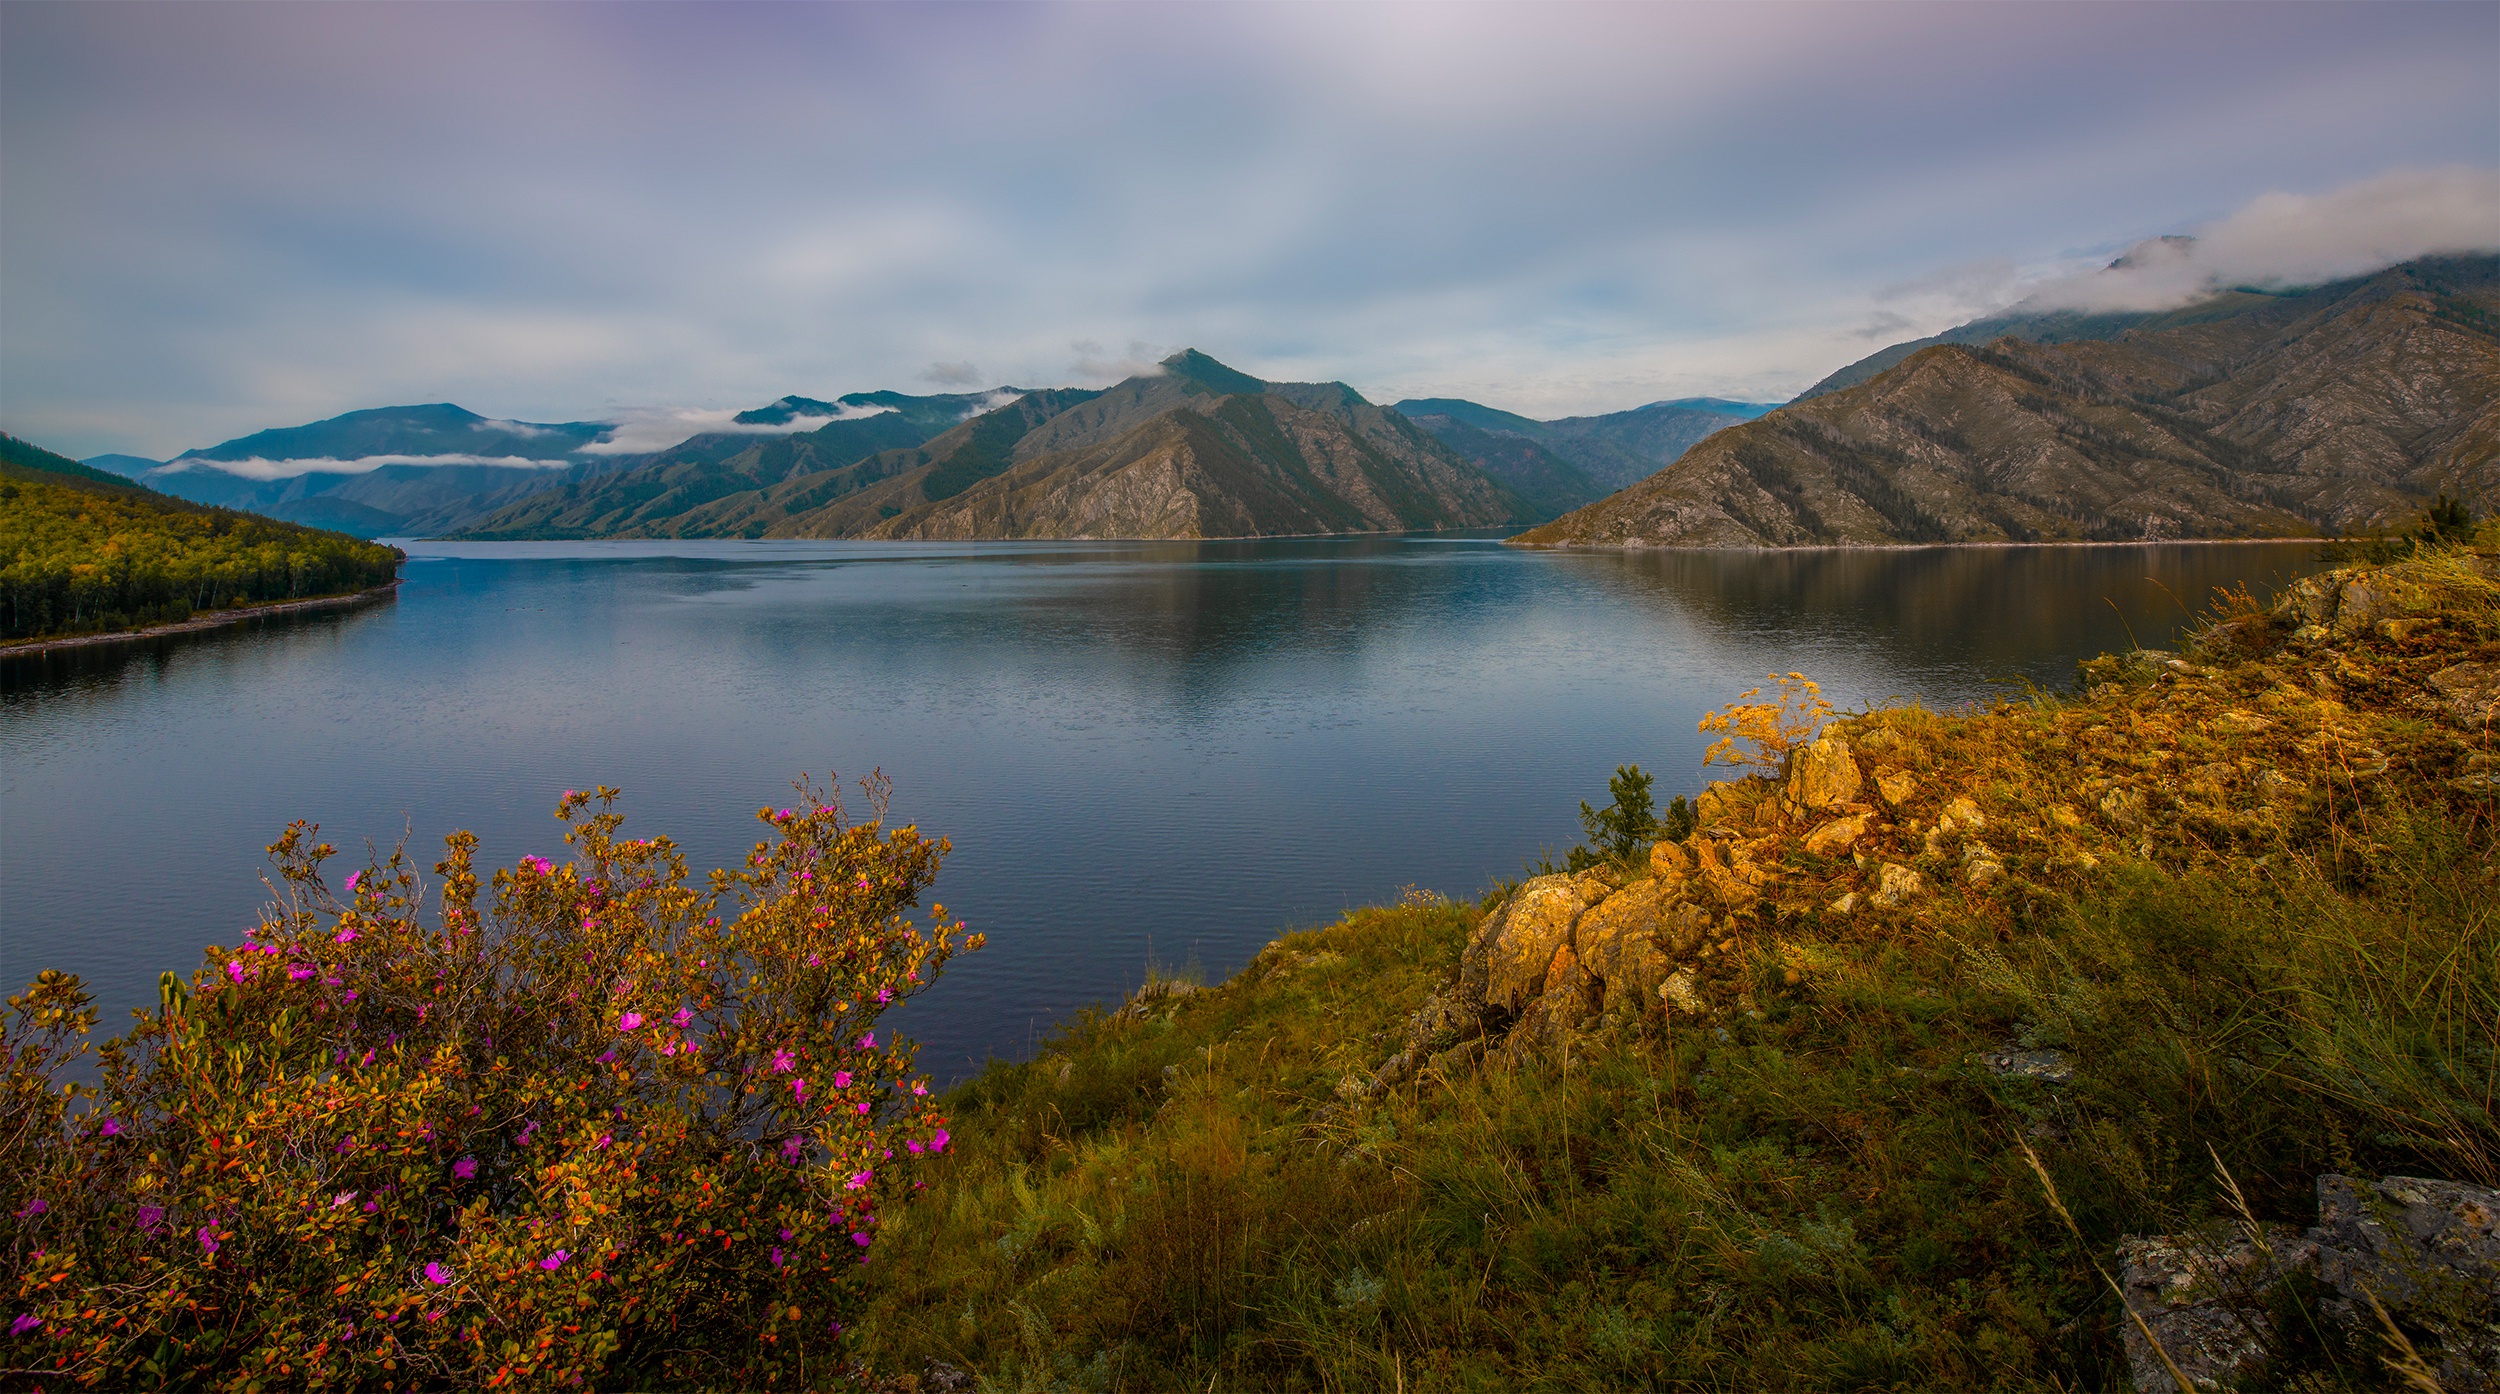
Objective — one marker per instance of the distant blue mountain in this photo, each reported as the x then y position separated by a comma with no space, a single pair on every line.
1610,451
127,466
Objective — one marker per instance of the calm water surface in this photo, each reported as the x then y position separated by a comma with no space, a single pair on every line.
1163,752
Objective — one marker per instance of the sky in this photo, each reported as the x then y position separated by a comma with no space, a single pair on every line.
217,218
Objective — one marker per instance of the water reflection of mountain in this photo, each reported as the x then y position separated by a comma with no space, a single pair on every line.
1974,605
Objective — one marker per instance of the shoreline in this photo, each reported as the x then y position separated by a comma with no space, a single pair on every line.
1917,546
217,619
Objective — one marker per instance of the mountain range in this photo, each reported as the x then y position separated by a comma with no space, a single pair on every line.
1196,449
1557,466
2248,413
2340,408
385,471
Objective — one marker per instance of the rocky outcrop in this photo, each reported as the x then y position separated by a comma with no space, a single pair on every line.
2427,1252
1865,824
2343,408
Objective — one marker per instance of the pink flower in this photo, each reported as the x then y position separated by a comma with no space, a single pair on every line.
465,1168
860,1237
33,1208
937,1142
884,995
436,1274
913,1144
790,1150
631,1021
782,1061
554,1261
842,1079
112,1128
299,971
353,877
859,1181
776,1256
150,1216
683,1019
234,970
798,1090
920,1091
863,1107
344,936
604,1140
208,1238
26,1323
869,1041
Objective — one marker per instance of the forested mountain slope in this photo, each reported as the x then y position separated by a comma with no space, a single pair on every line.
82,551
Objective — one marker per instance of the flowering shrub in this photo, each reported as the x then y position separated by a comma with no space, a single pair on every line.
619,1129
1760,734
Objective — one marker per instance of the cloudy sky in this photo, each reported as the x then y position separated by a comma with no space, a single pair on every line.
216,218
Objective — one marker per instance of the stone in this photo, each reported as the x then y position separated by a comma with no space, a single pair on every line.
1669,862
1847,904
2471,690
1896,786
1683,927
938,1377
2125,807
1677,992
2054,1066
1961,814
1822,773
1617,944
2203,1299
1895,884
1836,836
1519,944
2065,817
2430,1252
1982,872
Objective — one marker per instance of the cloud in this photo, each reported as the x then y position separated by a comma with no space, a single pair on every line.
951,374
228,217
642,430
259,468
2281,240
525,430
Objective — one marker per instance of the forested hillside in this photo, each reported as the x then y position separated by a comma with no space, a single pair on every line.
82,552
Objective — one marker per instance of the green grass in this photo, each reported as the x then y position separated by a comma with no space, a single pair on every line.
1822,1187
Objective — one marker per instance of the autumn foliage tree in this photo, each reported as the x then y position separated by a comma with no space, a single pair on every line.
615,1128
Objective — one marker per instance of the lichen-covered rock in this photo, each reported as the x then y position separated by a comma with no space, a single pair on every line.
2471,690
1677,992
1634,940
1961,814
2429,1251
1896,786
1836,836
1511,951
1822,773
2204,1299
1895,884
1670,862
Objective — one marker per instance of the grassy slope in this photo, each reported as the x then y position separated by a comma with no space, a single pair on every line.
2290,959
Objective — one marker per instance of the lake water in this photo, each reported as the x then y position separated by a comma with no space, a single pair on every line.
1165,752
